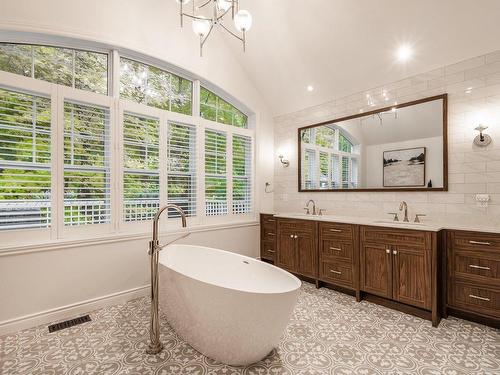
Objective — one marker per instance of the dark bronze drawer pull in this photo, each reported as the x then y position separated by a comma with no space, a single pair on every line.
480,243
271,234
337,272
479,267
271,220
480,298
335,230
335,248
270,251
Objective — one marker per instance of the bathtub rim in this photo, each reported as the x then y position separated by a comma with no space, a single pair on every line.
292,277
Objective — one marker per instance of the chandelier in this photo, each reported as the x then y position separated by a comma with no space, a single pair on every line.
203,25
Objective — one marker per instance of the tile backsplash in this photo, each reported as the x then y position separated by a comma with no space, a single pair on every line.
473,88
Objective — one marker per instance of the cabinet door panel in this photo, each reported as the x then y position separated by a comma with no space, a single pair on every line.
376,272
412,276
286,255
307,256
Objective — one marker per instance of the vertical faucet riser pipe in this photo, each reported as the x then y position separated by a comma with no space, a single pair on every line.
155,346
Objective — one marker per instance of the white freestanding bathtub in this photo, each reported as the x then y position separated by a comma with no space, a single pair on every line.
229,307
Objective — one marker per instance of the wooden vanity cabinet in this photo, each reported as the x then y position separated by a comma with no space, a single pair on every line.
397,265
268,235
339,255
297,246
473,275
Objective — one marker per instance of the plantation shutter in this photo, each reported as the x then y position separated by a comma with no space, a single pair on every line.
215,173
25,157
345,172
335,171
86,164
141,176
242,174
181,168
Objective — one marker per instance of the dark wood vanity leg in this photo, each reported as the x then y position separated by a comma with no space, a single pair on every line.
358,296
318,284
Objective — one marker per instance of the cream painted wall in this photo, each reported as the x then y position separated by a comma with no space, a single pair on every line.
50,278
33,284
472,169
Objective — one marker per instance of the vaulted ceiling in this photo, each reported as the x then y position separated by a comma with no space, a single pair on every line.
345,46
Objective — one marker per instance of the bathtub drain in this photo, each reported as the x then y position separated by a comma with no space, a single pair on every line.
246,262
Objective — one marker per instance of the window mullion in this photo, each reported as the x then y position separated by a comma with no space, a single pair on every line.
229,172
114,74
57,107
163,162
200,171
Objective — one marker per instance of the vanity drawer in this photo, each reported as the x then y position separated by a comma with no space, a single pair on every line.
297,226
477,266
266,219
476,241
336,231
337,273
337,249
483,300
396,236
268,250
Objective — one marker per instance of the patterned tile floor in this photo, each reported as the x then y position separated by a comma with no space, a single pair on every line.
329,333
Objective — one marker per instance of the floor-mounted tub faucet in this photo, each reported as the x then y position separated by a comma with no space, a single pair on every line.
155,346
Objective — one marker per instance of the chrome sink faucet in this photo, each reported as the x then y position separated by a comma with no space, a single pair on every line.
155,346
308,212
404,206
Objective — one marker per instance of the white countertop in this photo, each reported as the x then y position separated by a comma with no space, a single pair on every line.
425,226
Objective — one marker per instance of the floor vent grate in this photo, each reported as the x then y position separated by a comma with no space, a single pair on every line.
69,323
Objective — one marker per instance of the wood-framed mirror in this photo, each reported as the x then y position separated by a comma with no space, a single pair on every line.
403,147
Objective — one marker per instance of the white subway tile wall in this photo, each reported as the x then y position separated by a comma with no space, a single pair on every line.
473,88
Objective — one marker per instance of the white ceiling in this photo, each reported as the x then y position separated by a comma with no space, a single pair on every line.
346,46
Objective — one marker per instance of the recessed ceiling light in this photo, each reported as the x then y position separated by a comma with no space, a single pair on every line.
310,88
404,53
468,90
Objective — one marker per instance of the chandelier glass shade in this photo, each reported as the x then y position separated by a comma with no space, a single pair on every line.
203,25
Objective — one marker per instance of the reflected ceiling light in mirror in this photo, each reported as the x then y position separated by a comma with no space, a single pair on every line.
310,88
404,53
468,90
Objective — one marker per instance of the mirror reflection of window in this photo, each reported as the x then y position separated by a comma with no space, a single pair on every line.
329,158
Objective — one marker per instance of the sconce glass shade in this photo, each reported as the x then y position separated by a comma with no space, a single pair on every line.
201,27
243,20
224,5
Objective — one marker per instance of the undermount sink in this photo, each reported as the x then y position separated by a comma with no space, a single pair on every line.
396,222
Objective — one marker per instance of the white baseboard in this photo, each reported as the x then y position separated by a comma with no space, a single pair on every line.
70,311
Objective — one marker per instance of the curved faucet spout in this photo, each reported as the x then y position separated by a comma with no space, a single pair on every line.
155,346
404,206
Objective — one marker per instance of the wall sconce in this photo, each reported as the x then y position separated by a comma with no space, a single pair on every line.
482,139
284,162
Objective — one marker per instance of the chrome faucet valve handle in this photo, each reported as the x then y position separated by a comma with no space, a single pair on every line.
396,218
320,211
417,218
307,210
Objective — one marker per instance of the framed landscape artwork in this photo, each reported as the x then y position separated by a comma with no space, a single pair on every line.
404,168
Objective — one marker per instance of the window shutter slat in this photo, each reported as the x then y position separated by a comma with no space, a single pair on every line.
242,174
86,165
141,178
215,173
181,168
25,176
